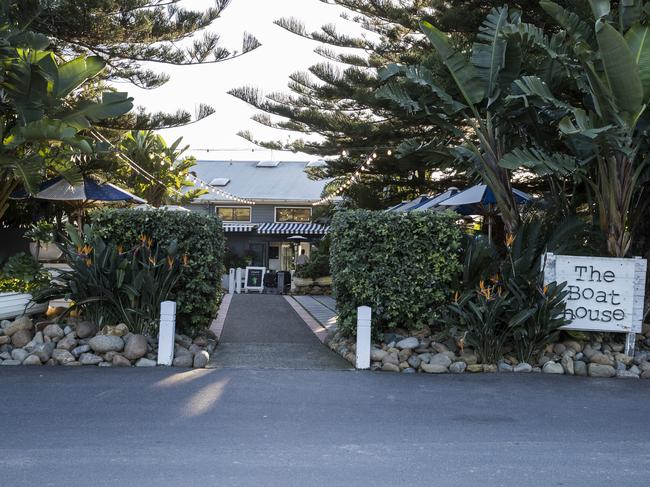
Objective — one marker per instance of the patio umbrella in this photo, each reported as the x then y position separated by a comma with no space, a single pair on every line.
86,193
435,202
164,207
480,200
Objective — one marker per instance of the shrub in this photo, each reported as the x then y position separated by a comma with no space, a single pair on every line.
22,274
111,284
503,298
402,265
200,243
319,263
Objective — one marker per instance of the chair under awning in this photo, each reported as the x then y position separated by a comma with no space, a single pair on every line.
292,229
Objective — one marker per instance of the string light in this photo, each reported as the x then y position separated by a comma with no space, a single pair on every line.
353,179
203,185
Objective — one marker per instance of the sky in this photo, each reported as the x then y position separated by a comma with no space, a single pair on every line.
267,67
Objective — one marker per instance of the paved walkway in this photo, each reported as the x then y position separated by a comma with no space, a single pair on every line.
263,331
322,308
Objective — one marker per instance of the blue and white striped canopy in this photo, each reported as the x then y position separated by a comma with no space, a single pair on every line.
292,229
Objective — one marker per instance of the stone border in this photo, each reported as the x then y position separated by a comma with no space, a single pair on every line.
217,324
320,331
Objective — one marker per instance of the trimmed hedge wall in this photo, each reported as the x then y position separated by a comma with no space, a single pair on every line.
200,238
402,265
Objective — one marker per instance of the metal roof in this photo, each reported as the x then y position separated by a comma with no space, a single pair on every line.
285,182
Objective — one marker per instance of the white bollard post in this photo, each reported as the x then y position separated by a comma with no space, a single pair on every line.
231,281
364,315
238,280
167,332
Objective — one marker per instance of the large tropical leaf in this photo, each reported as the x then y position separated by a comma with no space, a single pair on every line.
74,73
489,53
600,8
25,169
620,69
468,81
113,104
569,21
47,131
629,13
539,162
638,40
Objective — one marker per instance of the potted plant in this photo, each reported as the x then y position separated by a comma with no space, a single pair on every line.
19,278
43,247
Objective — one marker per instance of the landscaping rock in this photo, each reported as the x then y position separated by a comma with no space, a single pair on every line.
469,358
439,347
183,340
201,359
85,329
567,364
21,338
4,339
53,331
104,364
32,360
409,370
389,367
43,351
457,367
120,361
579,368
185,360
117,330
377,355
80,349
627,374
522,367
23,323
410,342
62,356
90,359
434,368
19,354
552,368
67,343
10,362
68,329
600,370
602,359
440,359
145,362
106,343
474,368
504,367
414,361
489,368
574,345
391,358
136,347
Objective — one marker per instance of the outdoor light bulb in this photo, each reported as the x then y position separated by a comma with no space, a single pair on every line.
374,156
344,153
389,152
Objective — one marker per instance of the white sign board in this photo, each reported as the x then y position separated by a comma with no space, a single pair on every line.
254,279
604,294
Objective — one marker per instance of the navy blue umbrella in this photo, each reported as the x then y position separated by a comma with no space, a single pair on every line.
87,191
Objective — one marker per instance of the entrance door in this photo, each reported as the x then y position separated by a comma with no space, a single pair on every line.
259,254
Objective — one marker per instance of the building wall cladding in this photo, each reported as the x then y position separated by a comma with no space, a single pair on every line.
259,213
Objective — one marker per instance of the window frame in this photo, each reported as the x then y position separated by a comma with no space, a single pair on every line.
275,213
250,213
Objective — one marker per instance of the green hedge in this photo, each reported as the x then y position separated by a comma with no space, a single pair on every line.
200,238
402,265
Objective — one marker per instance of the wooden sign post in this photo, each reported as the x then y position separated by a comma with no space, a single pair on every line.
254,279
604,293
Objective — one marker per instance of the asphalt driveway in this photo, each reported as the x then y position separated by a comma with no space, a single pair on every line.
242,427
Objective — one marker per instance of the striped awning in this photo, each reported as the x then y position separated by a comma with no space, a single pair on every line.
238,227
292,229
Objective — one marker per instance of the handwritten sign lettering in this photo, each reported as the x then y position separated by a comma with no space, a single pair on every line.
604,294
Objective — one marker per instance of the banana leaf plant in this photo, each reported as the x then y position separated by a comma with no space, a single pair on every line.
41,118
479,113
608,60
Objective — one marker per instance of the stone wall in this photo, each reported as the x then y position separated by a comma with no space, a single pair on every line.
76,343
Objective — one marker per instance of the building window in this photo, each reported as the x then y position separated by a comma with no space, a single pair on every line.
293,215
234,213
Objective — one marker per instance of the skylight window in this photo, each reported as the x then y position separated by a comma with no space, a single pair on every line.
219,182
268,163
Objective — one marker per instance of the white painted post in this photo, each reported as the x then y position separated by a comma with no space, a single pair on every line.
238,280
167,332
231,281
364,315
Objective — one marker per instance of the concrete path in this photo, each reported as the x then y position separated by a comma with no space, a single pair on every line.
322,308
79,427
263,331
